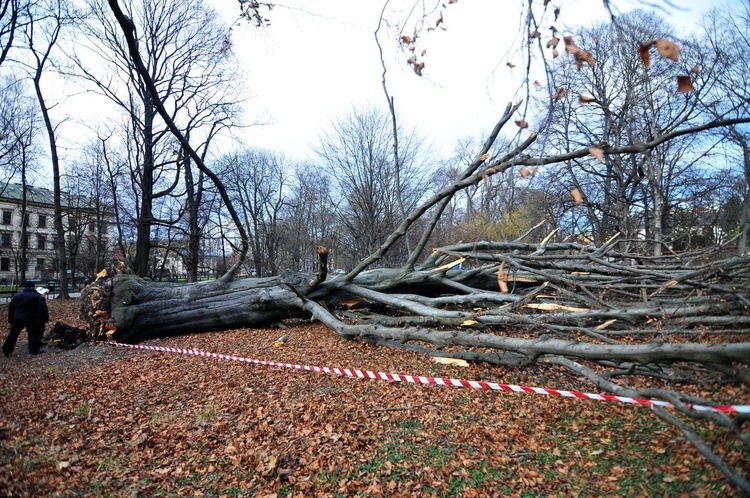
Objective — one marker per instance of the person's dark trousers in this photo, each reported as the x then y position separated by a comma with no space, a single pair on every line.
35,333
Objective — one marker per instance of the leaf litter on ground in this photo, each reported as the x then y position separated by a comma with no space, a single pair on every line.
101,420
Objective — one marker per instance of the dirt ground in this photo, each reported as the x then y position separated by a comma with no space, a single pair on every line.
110,421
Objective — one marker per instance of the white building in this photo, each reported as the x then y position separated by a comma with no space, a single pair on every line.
90,230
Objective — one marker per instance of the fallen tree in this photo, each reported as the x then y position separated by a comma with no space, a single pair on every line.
670,327
660,328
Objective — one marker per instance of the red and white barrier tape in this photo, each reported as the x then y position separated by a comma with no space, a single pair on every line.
367,374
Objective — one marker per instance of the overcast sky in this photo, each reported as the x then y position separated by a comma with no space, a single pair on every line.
319,58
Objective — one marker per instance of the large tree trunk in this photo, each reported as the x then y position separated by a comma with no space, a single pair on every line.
142,309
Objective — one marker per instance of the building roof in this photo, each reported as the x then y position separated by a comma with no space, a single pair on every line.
41,195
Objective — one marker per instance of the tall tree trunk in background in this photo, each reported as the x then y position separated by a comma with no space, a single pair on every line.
55,21
744,239
24,231
145,215
41,59
62,258
192,201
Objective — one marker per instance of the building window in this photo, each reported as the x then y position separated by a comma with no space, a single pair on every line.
41,241
5,240
4,264
91,227
42,221
7,217
40,266
25,241
27,220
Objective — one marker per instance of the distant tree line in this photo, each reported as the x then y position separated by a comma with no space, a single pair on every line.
687,192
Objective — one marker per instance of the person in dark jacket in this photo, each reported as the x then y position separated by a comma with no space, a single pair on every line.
27,309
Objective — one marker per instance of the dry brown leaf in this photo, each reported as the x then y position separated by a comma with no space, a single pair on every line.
597,153
584,56
586,99
560,93
555,54
668,49
580,55
503,287
537,83
522,123
577,197
485,156
684,84
570,45
552,43
510,65
696,69
407,39
526,172
645,53
418,68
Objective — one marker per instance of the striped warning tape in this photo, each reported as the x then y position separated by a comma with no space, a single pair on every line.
393,377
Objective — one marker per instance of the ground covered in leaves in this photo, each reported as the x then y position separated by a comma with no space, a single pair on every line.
106,421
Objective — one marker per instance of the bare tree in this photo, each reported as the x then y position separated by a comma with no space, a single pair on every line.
309,220
727,45
182,44
11,18
41,34
358,151
89,198
256,181
21,161
12,111
620,101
